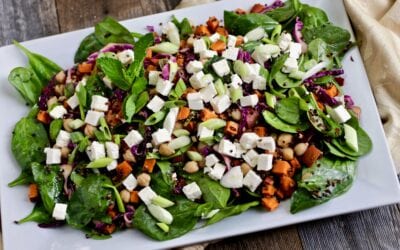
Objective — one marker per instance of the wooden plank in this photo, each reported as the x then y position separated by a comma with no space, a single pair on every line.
27,19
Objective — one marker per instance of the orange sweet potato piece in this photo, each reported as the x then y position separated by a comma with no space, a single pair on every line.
311,155
270,203
222,31
85,67
295,163
240,11
202,30
239,41
281,167
218,46
184,113
43,117
206,114
123,169
33,192
257,8
231,128
260,131
109,229
287,185
134,198
149,53
212,23
268,190
148,165
332,91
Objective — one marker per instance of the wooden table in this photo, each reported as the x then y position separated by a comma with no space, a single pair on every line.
373,229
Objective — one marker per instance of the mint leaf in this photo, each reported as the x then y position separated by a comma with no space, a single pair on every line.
114,70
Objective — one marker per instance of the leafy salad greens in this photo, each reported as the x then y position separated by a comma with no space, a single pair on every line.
159,131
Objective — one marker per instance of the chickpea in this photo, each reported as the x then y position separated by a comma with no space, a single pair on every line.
287,154
125,195
60,77
128,156
52,101
245,168
166,150
65,152
284,140
89,130
66,124
236,115
191,167
300,148
143,179
59,89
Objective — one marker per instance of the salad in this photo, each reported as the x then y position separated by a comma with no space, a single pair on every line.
188,124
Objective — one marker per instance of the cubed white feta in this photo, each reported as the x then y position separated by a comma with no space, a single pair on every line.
73,101
340,114
196,80
153,77
240,151
96,151
214,37
231,53
208,93
263,53
126,56
252,180
249,100
231,41
53,156
112,150
192,191
60,211
195,101
211,160
264,162
81,83
207,54
294,50
221,68
255,67
63,139
199,45
259,82
194,66
130,182
249,140
255,34
133,138
233,178
93,117
164,86
112,165
284,41
290,65
226,147
236,80
160,136
220,103
251,157
147,195
99,103
155,104
217,171
204,132
206,79
57,112
170,119
267,143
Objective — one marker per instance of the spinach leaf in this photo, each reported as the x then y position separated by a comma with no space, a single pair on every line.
24,178
166,171
129,107
284,81
89,201
277,123
114,70
276,67
141,101
241,24
285,13
88,45
26,83
28,142
110,31
318,50
50,182
184,27
140,53
39,214
230,211
162,183
312,17
333,150
364,144
55,127
288,109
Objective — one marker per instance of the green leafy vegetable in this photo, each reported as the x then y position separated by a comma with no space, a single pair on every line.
39,214
115,71
140,53
230,211
27,84
241,24
184,27
277,123
55,127
288,110
155,118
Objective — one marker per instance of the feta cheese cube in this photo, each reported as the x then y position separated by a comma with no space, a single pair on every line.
221,68
112,150
199,45
99,103
264,162
249,100
284,41
233,178
130,182
155,104
112,165
73,101
196,80
96,151
206,80
192,191
93,117
255,68
259,82
125,56
240,151
203,132
255,34
60,211
211,160
63,139
214,37
194,67
195,101
249,140
208,93
170,119
147,195
207,54
251,157
164,86
290,65
267,143
133,138
236,80
217,171
220,103
160,136
153,77
252,180
231,53
58,112
226,147
263,53
231,41
53,156
294,50
340,114
80,84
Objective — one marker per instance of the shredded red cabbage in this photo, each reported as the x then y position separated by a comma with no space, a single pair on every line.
274,5
348,101
165,72
244,56
298,36
150,28
333,72
325,98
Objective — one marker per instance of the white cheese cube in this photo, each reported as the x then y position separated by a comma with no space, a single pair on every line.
251,71
221,68
133,138
153,77
220,103
53,156
99,103
112,150
155,104
96,151
233,178
203,132
240,151
160,136
130,182
63,139
199,45
264,162
170,119
194,67
252,180
93,117
267,143
211,160
251,157
249,100
126,56
196,80
58,112
259,82
80,84
231,41
164,86
206,80
73,101
112,165
226,147
236,80
255,68
294,50
284,41
231,53
255,34
217,171
147,195
249,140
60,211
208,93
207,54
207,170
340,114
290,65
195,101
192,191
214,37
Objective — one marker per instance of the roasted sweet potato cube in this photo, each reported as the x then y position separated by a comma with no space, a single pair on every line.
231,128
270,203
123,169
260,131
212,23
268,190
281,167
202,30
184,113
311,155
148,165
206,114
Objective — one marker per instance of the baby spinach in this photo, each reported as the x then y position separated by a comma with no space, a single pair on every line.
241,24
26,83
333,150
129,107
284,81
288,109
230,211
185,28
39,214
312,16
88,45
285,13
279,124
24,178
141,101
55,127
364,144
276,67
115,71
